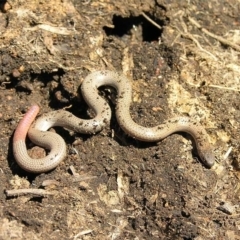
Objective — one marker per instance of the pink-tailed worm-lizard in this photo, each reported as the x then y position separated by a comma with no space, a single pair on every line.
37,131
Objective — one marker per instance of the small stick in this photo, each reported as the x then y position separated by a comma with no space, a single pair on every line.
83,178
19,192
226,155
225,88
74,173
84,232
220,39
187,35
151,21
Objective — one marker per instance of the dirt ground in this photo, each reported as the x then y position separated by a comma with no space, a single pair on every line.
183,58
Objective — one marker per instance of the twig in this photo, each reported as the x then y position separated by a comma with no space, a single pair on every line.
82,233
19,192
83,178
220,39
226,155
188,35
225,88
53,29
151,21
73,170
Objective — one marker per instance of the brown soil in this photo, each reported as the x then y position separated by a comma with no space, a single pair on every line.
128,189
